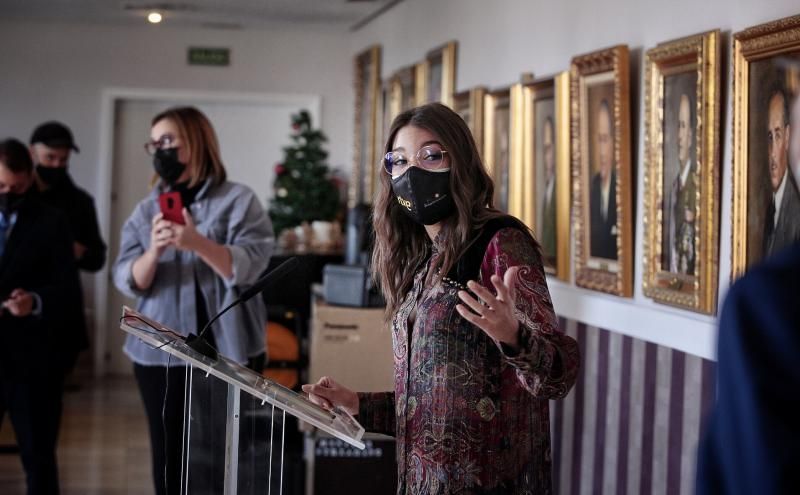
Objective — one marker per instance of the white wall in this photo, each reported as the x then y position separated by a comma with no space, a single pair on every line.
59,71
499,40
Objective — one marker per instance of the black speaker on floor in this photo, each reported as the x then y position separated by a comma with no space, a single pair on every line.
340,468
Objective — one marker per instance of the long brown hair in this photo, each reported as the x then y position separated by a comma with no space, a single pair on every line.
402,245
196,131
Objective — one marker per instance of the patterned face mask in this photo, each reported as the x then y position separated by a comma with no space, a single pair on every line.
424,195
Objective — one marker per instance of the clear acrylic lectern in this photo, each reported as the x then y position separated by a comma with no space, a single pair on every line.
233,442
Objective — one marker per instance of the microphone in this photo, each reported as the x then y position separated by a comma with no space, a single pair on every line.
199,344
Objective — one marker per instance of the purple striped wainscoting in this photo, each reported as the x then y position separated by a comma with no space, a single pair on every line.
632,423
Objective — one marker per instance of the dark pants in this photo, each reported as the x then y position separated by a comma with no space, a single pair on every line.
163,394
34,406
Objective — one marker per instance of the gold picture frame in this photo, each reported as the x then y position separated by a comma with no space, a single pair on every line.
765,70
681,180
602,199
502,145
367,87
436,76
469,104
383,118
546,169
402,91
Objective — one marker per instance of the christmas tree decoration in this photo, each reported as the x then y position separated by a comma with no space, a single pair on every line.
303,188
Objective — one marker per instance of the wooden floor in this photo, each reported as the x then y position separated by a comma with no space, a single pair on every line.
104,446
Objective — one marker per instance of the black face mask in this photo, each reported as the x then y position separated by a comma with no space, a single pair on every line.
424,195
54,177
167,166
10,202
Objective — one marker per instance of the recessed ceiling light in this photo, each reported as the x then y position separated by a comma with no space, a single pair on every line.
154,17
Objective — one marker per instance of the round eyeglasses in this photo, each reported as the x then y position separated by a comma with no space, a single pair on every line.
164,142
428,157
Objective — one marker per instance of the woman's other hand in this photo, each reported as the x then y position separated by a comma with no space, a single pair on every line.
328,394
185,237
493,314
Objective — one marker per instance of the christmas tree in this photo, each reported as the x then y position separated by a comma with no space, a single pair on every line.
304,190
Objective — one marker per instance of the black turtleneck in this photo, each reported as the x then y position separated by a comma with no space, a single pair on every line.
188,194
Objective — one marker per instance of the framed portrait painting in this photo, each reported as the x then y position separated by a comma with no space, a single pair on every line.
681,182
546,169
766,201
402,91
502,132
469,104
437,75
383,120
365,156
601,169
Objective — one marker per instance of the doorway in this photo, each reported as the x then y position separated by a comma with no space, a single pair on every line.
252,130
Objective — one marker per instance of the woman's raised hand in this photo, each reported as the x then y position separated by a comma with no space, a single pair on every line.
493,314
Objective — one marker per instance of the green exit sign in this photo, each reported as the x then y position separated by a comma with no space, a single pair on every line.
210,56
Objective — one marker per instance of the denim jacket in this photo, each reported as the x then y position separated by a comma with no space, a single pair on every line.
229,214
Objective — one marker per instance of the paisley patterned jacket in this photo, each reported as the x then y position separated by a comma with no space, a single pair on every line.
471,416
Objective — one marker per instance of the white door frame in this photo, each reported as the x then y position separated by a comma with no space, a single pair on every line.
103,321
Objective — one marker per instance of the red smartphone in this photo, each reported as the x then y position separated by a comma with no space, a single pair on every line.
172,206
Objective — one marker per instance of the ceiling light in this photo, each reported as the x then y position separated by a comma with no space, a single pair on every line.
154,17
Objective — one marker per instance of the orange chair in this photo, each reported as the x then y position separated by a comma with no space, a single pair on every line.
283,355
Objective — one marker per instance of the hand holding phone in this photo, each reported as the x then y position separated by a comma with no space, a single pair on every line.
172,207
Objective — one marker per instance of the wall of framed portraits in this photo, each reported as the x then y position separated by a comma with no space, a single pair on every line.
671,270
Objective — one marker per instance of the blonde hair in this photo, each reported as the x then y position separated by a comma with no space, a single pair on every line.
196,131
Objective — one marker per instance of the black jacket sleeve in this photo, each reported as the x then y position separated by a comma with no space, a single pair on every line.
88,234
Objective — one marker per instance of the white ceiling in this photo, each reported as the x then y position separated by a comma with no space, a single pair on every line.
198,13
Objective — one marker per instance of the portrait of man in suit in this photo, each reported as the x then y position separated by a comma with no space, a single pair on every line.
678,228
603,189
782,221
548,230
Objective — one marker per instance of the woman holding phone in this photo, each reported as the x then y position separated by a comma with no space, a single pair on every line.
186,252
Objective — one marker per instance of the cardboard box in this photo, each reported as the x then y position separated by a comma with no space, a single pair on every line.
351,345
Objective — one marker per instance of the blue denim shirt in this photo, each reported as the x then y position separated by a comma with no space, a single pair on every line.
230,214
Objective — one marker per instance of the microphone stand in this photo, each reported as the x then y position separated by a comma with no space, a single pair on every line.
201,345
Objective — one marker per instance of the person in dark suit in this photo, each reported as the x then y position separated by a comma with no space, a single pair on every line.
750,445
51,145
751,442
38,289
782,222
603,191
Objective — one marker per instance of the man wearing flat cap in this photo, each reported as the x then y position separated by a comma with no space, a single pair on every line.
51,145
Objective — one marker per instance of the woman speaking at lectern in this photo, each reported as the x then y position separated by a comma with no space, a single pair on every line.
478,353
184,269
